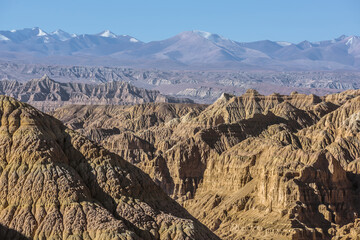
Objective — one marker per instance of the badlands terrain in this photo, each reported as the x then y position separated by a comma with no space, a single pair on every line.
202,86
228,140
47,94
56,184
248,167
244,167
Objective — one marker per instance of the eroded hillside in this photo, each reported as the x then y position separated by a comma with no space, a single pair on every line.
56,184
253,166
47,94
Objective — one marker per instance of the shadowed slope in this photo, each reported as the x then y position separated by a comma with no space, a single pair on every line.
253,166
57,184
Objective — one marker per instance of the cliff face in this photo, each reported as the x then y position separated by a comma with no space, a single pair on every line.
47,94
254,166
56,184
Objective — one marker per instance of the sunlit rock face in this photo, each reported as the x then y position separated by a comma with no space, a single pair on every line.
56,184
253,166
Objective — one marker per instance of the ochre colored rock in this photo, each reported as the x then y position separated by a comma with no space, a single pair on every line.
56,184
248,167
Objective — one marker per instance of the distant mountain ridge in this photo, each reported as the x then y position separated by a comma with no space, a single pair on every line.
187,50
47,94
200,86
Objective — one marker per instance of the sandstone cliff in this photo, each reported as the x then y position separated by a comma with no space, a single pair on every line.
56,184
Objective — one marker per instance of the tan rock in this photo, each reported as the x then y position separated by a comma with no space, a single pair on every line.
248,167
56,184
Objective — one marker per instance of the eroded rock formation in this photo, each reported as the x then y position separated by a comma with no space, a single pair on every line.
56,184
47,94
253,167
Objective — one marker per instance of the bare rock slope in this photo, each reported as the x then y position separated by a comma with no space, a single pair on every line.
253,166
56,184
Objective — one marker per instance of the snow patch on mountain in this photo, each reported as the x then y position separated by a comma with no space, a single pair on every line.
107,33
62,35
209,36
349,41
41,33
204,34
134,40
3,38
284,44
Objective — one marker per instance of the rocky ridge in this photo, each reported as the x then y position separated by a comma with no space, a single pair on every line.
201,86
253,166
47,94
56,184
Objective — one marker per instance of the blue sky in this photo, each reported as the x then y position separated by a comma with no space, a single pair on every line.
241,20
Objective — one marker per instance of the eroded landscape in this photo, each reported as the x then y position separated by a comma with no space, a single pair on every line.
194,137
251,166
201,86
56,184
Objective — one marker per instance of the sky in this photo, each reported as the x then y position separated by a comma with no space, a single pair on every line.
240,20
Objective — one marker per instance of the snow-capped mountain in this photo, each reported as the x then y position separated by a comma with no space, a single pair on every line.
18,36
107,33
36,43
188,49
62,35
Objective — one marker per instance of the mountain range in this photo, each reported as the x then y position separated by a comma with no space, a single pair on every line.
187,50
